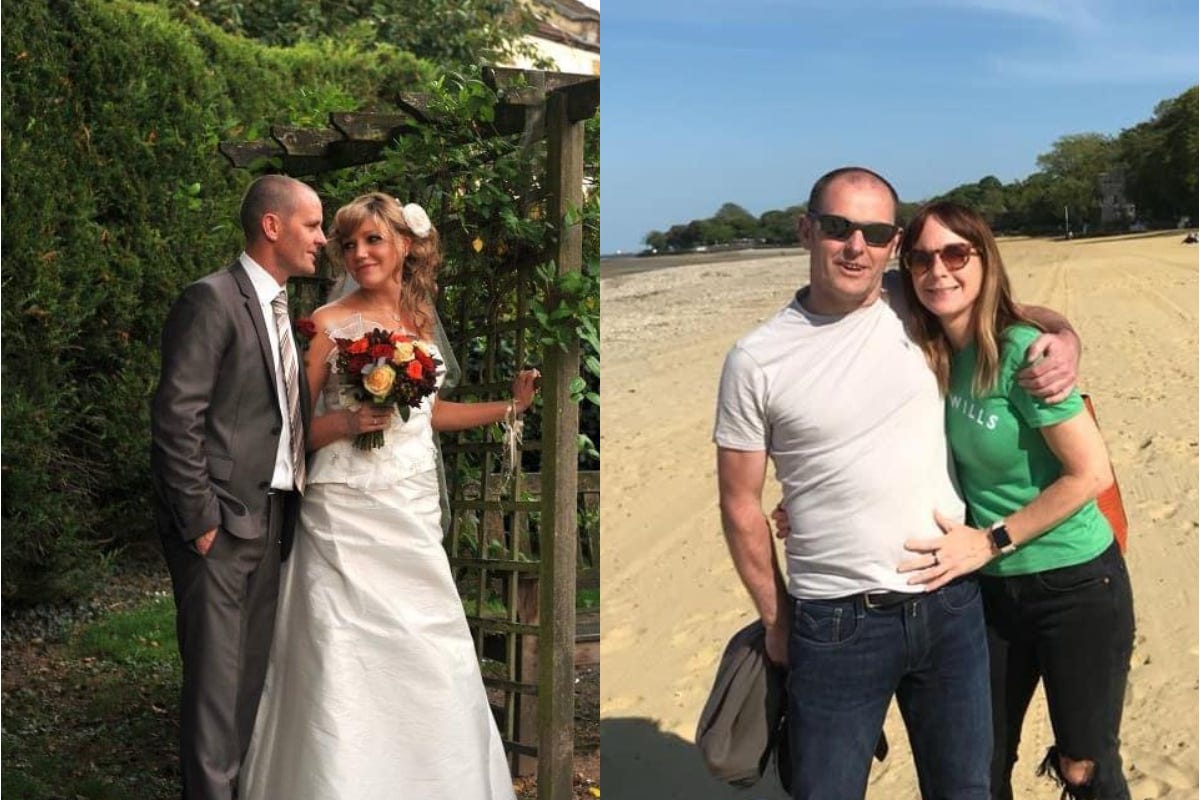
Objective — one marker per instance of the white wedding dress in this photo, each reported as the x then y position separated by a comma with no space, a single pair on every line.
373,690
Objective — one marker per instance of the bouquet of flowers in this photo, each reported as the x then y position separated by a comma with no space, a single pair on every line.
386,368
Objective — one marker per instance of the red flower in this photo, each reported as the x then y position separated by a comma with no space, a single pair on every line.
425,360
401,337
382,351
358,346
306,328
415,370
357,362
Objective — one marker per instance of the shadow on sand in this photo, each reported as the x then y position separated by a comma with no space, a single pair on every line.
639,761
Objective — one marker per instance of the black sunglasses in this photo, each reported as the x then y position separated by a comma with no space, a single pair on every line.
954,256
876,234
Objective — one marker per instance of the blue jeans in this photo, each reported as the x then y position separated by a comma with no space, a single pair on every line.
846,663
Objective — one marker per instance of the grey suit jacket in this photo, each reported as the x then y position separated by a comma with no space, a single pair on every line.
216,420
744,717
744,721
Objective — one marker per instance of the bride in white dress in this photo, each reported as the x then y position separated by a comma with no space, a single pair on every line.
374,690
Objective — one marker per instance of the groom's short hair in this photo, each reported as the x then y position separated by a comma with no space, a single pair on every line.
817,196
266,194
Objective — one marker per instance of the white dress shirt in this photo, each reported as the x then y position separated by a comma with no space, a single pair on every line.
267,288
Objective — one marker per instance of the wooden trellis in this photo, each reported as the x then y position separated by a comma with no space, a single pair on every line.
493,531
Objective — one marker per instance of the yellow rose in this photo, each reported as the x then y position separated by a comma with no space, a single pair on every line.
424,348
379,380
404,352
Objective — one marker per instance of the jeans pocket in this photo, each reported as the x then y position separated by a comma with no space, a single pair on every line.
824,623
1077,577
957,597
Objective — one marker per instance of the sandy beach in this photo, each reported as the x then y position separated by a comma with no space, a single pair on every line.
672,598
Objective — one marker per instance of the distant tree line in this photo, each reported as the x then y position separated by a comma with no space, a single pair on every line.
1157,159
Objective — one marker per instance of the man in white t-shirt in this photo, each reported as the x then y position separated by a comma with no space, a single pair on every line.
833,390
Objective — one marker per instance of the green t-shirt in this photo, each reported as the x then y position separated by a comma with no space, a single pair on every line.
1003,461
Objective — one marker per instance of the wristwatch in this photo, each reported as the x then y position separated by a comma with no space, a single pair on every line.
1000,538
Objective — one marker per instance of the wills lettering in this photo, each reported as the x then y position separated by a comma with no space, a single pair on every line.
973,412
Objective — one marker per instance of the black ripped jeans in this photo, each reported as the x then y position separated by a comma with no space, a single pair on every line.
1073,628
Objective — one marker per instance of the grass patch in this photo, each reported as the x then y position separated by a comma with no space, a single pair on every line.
96,718
141,638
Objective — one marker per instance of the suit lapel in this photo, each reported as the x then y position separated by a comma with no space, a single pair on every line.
254,310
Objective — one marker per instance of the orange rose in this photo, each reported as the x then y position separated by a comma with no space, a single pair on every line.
414,370
379,380
358,346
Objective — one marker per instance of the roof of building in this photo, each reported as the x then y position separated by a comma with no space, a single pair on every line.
573,9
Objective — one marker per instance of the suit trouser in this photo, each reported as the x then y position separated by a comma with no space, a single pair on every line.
225,617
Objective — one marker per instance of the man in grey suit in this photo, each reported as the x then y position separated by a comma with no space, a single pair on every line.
227,457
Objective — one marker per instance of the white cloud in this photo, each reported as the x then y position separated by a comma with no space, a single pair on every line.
1078,15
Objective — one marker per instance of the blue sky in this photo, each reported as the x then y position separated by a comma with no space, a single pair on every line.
714,101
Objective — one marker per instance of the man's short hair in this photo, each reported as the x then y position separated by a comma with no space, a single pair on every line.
266,194
818,190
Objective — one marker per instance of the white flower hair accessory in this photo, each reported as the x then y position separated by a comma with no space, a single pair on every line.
417,220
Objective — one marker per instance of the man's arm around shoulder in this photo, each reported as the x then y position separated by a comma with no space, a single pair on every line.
1054,356
740,478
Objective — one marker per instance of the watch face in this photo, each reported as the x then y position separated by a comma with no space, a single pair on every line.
1001,539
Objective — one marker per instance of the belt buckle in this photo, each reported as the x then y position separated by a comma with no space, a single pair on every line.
882,600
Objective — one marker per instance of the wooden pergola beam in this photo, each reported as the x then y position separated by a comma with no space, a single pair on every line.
353,139
531,86
583,100
374,127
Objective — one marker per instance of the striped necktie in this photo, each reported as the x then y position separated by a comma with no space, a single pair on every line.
291,377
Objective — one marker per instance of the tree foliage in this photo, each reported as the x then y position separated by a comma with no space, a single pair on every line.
730,225
452,34
1160,156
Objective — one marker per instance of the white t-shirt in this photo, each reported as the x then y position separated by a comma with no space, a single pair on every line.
851,416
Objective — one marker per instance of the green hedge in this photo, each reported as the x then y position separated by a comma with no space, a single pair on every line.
113,198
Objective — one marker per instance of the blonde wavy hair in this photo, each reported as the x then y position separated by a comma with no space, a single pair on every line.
418,278
994,311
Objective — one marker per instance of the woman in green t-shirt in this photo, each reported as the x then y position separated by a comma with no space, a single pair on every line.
1056,592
